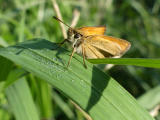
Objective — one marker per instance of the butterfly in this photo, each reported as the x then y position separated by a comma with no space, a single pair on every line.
93,44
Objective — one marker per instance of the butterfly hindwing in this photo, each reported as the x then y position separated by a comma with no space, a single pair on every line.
105,46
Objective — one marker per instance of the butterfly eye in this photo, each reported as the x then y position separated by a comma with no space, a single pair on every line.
76,36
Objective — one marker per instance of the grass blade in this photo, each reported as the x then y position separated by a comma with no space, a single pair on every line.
150,99
153,63
94,91
22,104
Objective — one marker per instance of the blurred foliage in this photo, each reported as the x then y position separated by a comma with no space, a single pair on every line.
135,21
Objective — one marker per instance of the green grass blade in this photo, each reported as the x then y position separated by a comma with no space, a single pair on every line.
4,115
94,91
3,42
153,63
22,104
150,99
63,105
6,67
43,98
14,75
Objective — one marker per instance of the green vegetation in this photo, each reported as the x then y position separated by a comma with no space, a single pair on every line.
29,64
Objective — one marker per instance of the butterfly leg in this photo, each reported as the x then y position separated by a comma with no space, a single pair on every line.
83,53
60,44
70,57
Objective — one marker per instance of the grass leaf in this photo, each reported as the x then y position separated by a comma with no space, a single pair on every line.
93,90
150,99
153,63
19,96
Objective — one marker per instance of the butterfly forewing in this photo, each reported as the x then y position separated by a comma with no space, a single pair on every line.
87,31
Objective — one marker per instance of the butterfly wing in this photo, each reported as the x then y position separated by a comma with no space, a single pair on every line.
100,46
92,52
87,31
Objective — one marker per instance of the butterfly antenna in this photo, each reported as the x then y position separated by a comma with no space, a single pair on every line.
61,21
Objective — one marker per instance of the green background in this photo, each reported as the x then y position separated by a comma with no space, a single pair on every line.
135,21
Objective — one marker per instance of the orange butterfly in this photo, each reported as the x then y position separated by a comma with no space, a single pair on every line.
93,44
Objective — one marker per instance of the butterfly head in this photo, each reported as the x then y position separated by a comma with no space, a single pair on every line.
73,35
